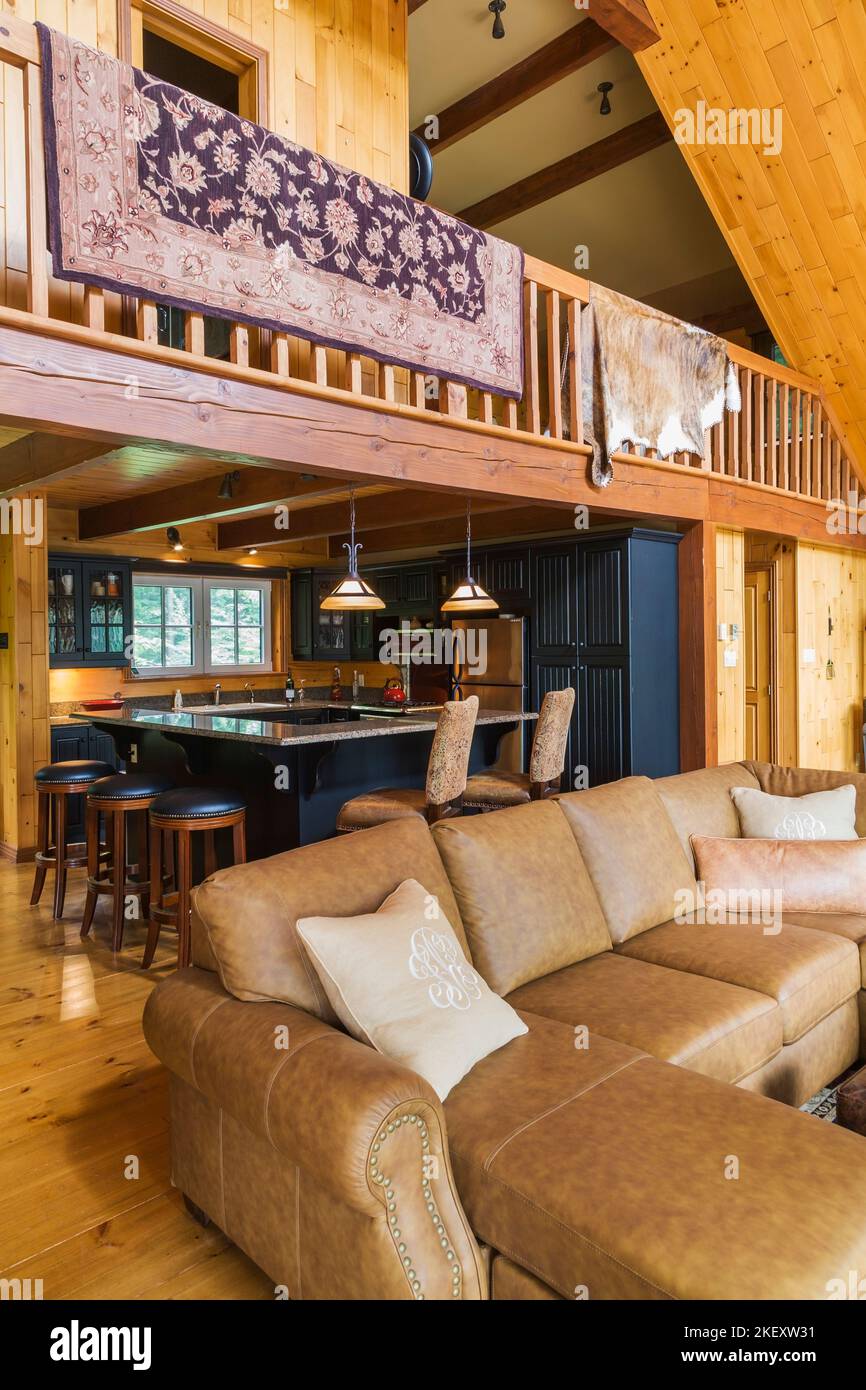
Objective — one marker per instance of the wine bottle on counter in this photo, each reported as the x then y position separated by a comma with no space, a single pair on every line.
337,684
290,688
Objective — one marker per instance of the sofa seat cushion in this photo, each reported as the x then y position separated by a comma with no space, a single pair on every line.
851,925
808,973
703,1024
605,1170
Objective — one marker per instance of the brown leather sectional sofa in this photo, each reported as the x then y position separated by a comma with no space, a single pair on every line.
630,1145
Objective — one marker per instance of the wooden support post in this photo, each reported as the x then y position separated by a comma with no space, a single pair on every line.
699,716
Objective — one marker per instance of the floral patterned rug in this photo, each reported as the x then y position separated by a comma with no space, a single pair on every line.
157,193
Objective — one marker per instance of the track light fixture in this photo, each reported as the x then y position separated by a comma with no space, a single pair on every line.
604,88
496,7
172,535
227,486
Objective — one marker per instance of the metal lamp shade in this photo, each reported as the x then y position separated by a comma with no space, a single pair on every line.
469,597
352,592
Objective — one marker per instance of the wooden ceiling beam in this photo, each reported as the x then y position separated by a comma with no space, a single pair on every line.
416,5
579,45
399,508
628,21
492,526
198,501
599,158
40,458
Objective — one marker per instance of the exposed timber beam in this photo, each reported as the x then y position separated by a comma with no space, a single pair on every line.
579,45
628,21
41,458
599,158
398,508
416,5
492,526
198,501
62,376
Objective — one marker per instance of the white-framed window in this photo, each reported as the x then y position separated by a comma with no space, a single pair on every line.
186,625
237,620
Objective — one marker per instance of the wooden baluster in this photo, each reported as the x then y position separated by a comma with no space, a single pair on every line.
453,399
836,470
511,414
732,441
796,442
759,431
354,374
386,381
773,434
531,385
785,437
847,487
94,307
718,448
487,408
193,333
280,354
554,352
319,365
575,390
146,321
37,233
418,390
239,344
817,431
706,462
747,440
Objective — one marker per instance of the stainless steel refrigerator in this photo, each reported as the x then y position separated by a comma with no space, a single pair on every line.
490,662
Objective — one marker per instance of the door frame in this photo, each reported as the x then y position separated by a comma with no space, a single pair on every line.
771,568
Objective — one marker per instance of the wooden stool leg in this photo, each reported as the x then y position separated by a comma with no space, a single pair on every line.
144,864
60,851
184,875
155,856
168,845
42,844
239,842
118,874
210,858
92,835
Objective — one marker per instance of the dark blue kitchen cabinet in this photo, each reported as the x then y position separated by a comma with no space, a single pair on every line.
89,611
302,614
75,743
628,655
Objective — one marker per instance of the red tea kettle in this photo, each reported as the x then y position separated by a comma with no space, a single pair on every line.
393,692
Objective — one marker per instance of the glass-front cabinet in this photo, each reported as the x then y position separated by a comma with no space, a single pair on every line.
89,611
331,628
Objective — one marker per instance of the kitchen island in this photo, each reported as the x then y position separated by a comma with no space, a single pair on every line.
295,765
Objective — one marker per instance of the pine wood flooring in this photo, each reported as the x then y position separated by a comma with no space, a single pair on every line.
80,1092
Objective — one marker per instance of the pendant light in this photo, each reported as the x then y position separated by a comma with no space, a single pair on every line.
353,592
469,597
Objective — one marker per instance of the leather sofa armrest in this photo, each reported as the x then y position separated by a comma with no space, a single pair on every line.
367,1129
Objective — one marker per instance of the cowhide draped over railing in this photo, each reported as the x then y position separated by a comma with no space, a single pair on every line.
784,440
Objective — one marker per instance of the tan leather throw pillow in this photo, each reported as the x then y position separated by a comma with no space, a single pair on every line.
827,815
398,980
808,875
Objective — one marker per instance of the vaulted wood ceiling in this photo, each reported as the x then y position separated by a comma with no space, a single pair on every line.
526,152
796,220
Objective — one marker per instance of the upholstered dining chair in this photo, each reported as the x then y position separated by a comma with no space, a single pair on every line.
447,767
490,791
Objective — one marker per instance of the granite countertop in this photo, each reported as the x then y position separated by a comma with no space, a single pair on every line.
270,731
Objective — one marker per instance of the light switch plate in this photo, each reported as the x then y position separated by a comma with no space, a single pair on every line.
723,632
808,656
731,656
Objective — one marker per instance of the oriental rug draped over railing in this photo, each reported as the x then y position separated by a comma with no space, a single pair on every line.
156,192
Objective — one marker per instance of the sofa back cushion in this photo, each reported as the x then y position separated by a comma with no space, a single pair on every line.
699,803
249,913
525,897
797,781
633,853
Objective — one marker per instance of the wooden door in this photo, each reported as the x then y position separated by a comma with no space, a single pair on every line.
760,662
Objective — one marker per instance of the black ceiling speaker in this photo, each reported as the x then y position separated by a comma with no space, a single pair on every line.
420,167
496,7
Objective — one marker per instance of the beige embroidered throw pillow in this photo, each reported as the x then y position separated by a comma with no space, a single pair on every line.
398,980
817,816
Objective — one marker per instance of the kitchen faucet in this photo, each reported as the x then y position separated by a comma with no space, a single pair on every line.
216,693
252,693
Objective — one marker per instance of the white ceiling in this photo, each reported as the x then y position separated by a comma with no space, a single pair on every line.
645,224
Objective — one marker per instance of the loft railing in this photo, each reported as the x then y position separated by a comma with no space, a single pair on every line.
784,439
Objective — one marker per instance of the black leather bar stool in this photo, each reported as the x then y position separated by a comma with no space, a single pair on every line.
54,783
174,817
117,800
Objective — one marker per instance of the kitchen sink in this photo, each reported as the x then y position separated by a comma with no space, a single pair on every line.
259,707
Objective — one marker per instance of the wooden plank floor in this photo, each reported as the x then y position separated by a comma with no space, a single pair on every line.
80,1093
